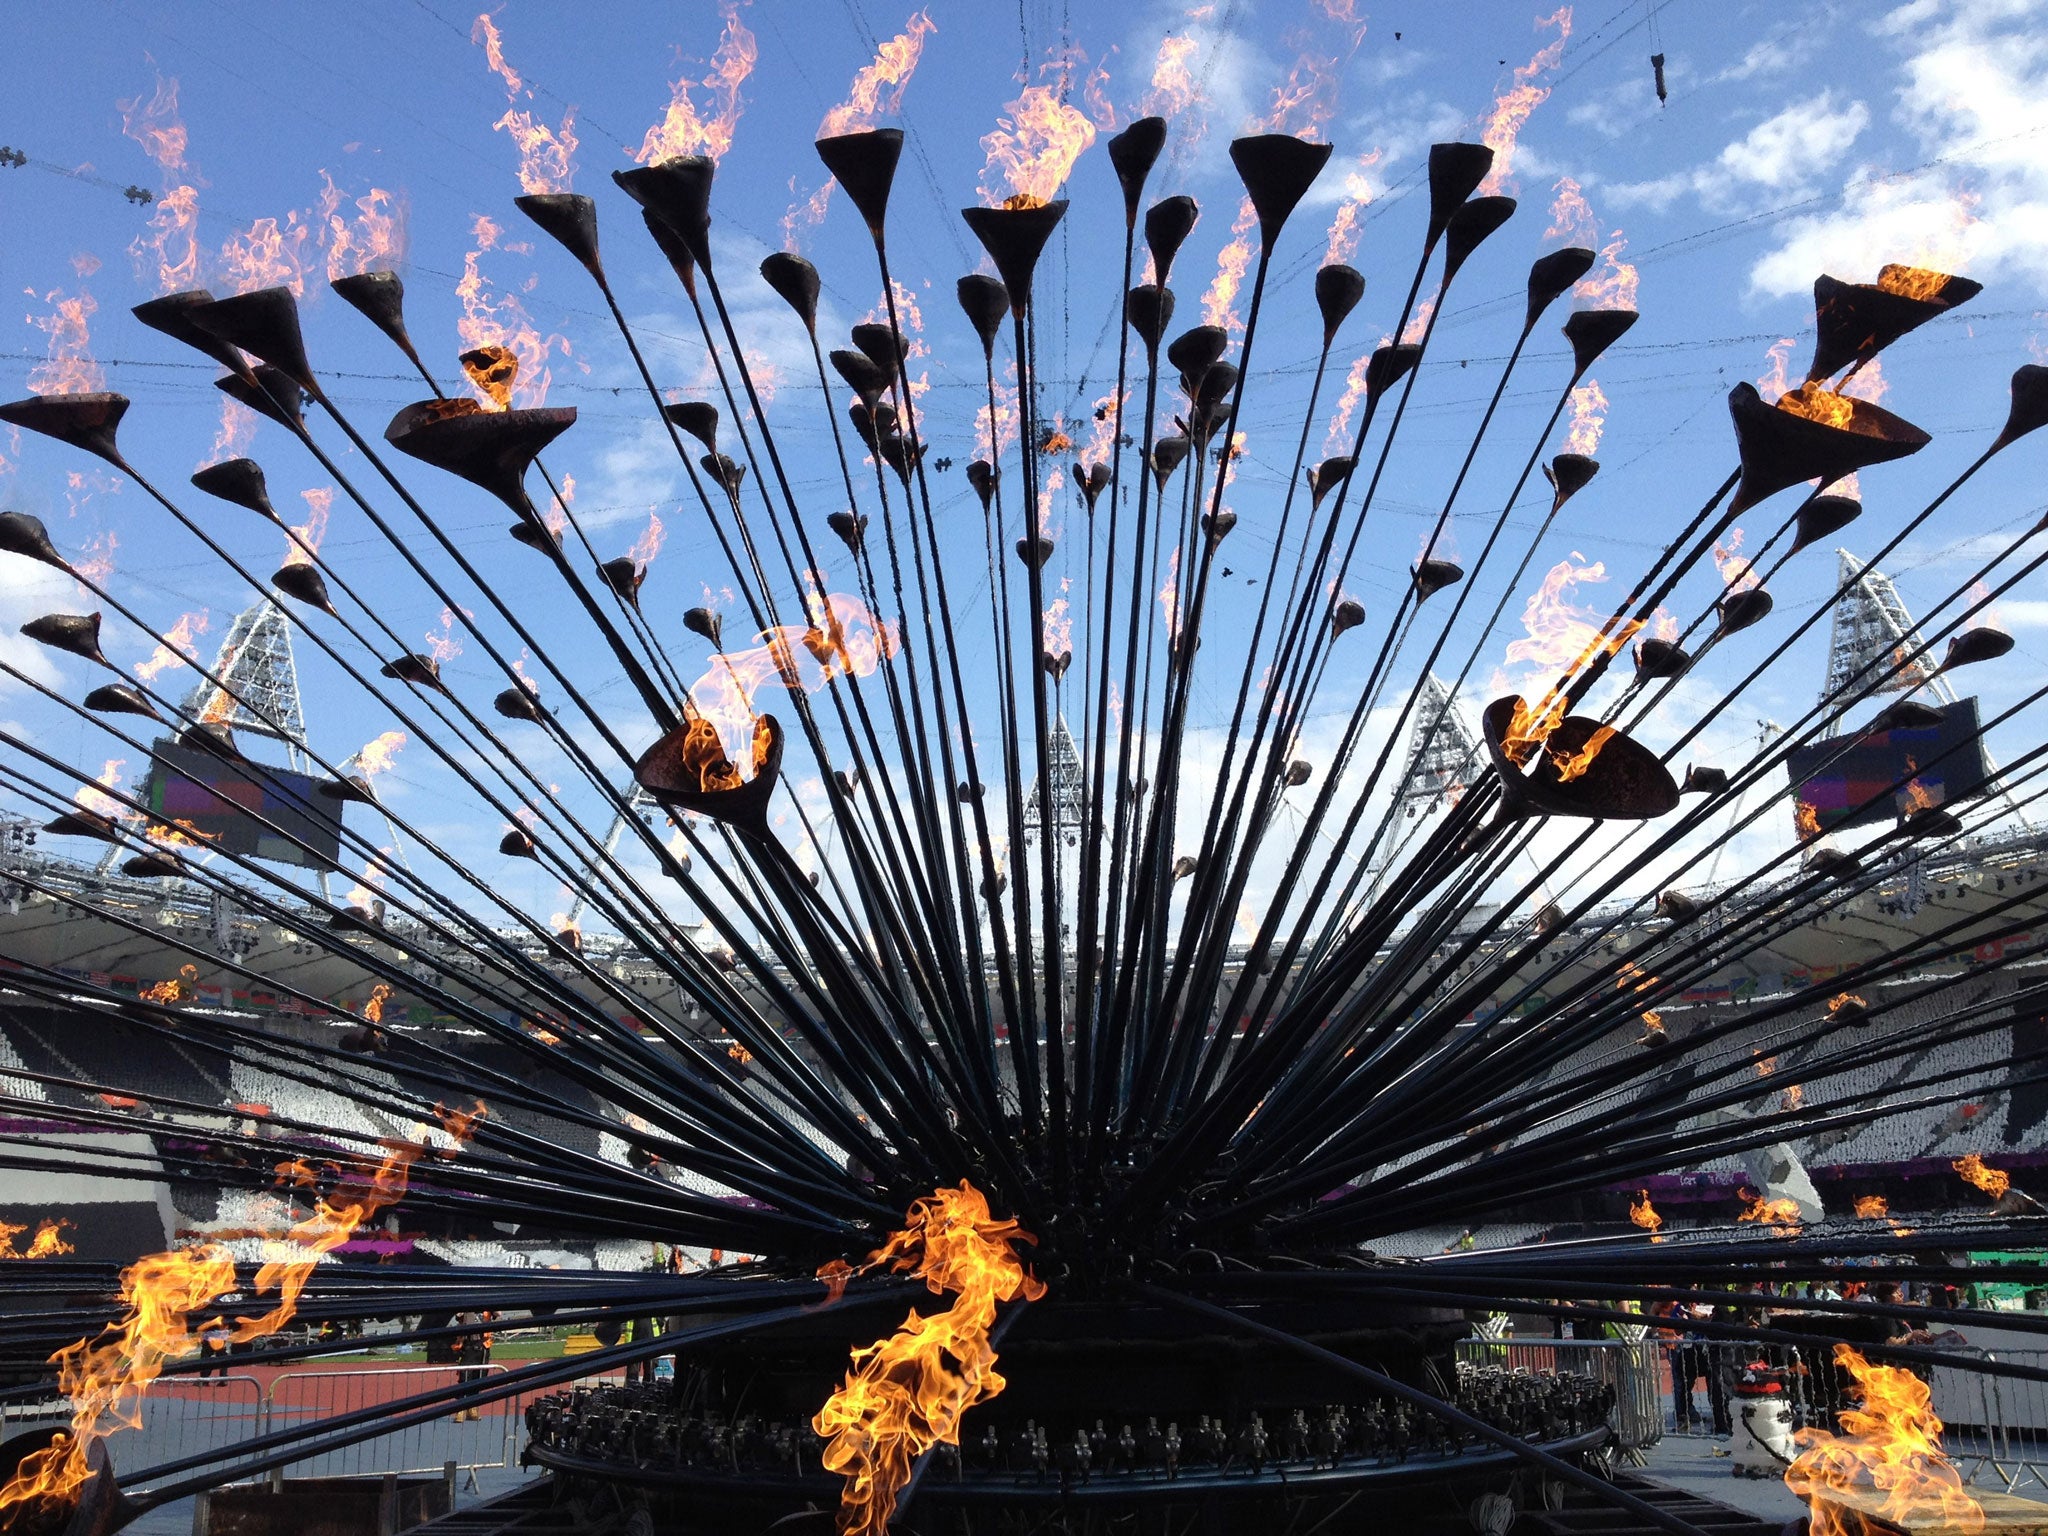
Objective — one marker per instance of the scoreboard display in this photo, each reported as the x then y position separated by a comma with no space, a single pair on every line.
252,809
1854,781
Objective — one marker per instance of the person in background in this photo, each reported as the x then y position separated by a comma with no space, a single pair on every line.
473,1355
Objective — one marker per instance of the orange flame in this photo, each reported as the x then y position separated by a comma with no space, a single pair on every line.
1572,765
1589,418
1418,323
1032,148
1571,216
1872,1207
682,131
177,647
1776,377
1305,100
992,438
1339,435
441,642
172,240
500,324
1780,1213
1560,639
1613,284
105,1377
648,545
48,1243
154,124
546,162
1174,88
742,1055
1912,282
372,241
305,542
1358,193
908,1392
1059,623
878,88
1888,1462
95,564
1513,108
267,255
1993,1181
844,639
67,367
377,755
1231,264
93,796
1843,1000
1817,403
373,1007
1644,1214
1737,573
180,988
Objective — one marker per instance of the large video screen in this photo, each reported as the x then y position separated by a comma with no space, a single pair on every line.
1847,781
255,811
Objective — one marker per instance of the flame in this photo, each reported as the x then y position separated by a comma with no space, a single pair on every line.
179,833
1231,264
1794,1095
1560,639
267,255
67,367
1305,100
236,431
95,564
546,162
1418,323
877,90
1644,1214
1512,109
844,639
154,124
105,1377
373,1009
172,240
1817,403
1912,282
180,988
441,642
364,893
1571,216
378,754
501,323
1613,284
1169,596
48,1243
177,647
1778,1214
1572,765
1358,194
907,1392
306,536
1339,435
1993,1181
742,1055
1589,418
1059,623
485,34
557,515
648,545
1843,1000
1766,1066
93,797
1867,382
1737,573
1173,89
1888,1463
1034,146
1916,796
1776,377
1872,1207
682,131
375,240
992,438
1806,823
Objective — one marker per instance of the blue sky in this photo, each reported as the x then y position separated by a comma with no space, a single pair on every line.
1795,140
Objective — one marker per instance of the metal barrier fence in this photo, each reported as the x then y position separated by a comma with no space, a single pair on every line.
489,1439
184,1416
1632,1368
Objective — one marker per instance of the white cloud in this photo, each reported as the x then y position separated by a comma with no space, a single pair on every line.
1780,158
1974,194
